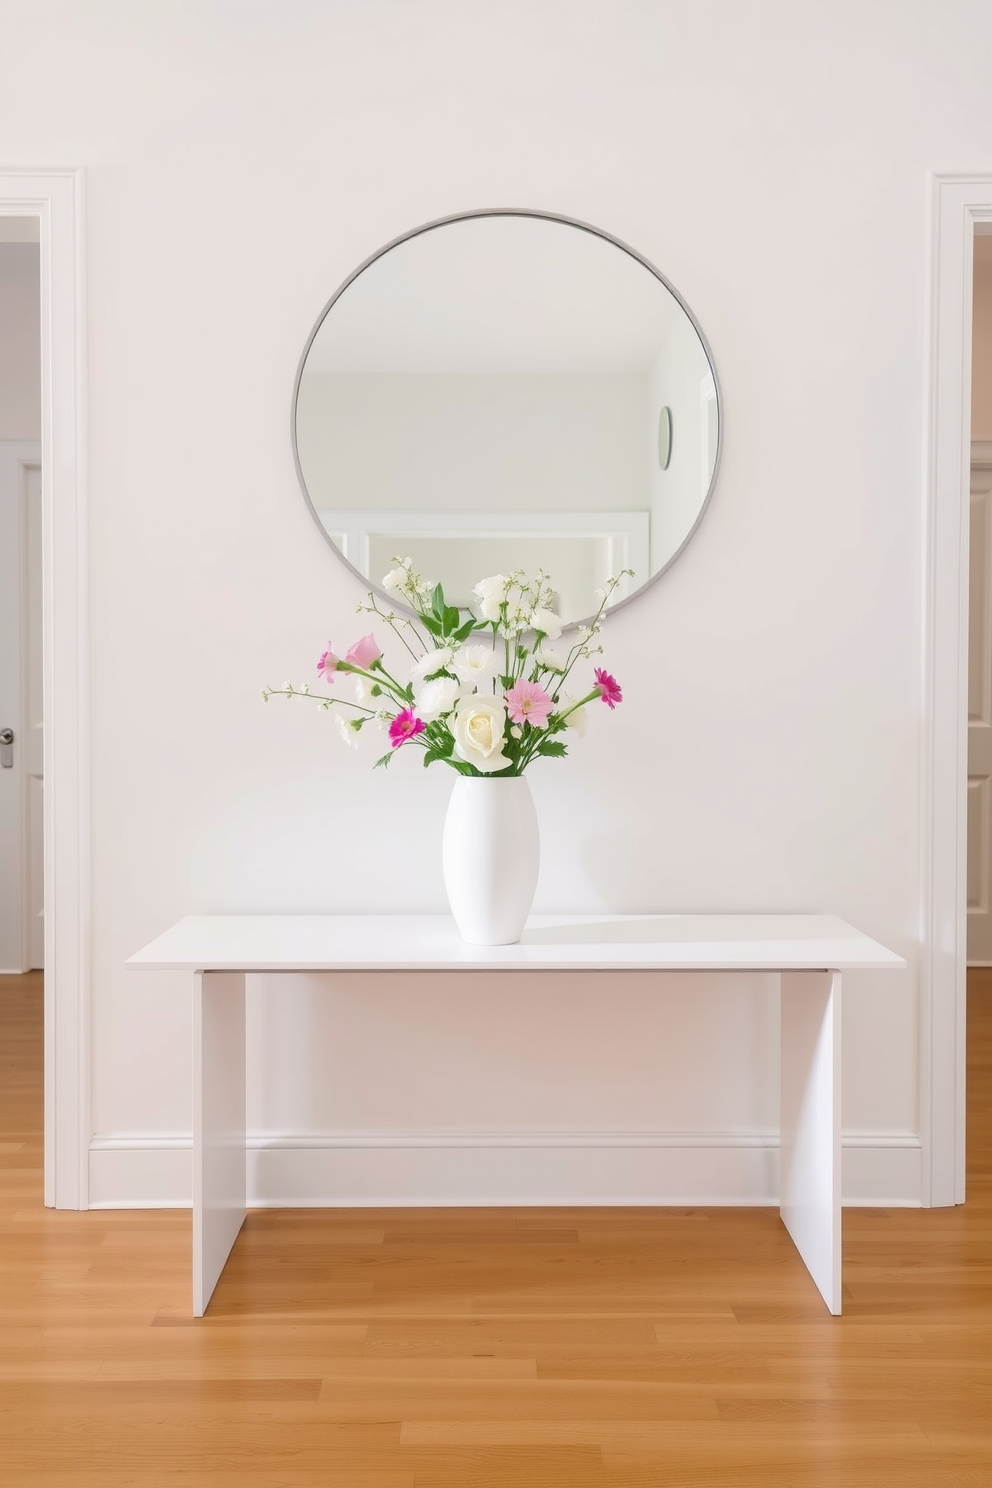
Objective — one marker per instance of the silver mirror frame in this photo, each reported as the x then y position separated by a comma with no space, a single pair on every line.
546,217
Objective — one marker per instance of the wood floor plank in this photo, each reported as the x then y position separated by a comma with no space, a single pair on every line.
484,1348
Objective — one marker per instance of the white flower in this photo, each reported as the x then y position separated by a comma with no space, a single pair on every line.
579,720
361,691
436,697
547,622
495,584
474,664
434,661
491,593
549,660
477,726
395,579
348,732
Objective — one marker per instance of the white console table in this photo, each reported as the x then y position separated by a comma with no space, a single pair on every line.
809,951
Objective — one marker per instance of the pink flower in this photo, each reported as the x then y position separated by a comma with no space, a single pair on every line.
364,652
609,688
405,725
526,702
328,664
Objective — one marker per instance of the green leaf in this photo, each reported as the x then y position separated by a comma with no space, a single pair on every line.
431,625
442,741
464,631
437,602
375,690
553,747
450,619
383,761
462,766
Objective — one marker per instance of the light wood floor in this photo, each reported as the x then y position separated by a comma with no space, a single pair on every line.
539,1348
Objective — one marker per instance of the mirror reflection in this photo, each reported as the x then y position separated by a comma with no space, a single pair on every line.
508,390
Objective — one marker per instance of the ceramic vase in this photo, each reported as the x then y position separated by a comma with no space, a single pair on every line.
491,854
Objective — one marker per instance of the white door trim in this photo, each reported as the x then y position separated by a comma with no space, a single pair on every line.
56,198
958,203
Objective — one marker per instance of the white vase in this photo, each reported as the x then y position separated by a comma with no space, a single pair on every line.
490,855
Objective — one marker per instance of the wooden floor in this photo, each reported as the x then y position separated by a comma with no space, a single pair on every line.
440,1348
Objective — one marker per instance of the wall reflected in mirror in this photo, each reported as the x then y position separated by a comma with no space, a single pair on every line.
485,395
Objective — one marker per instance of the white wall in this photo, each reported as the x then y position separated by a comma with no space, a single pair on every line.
414,442
20,342
241,159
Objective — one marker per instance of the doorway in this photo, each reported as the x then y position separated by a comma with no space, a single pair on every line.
52,200
22,933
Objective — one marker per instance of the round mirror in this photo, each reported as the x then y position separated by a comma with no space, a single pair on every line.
484,395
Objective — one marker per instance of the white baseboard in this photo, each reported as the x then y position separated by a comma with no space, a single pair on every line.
420,1169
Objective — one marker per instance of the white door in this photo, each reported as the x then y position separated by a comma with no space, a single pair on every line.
980,711
22,933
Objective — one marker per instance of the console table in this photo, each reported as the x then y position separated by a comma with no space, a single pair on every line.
809,951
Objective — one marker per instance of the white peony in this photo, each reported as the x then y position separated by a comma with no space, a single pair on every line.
434,661
547,622
549,660
395,579
474,664
491,593
477,726
436,697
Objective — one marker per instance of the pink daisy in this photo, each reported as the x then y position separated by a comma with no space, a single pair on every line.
526,702
405,725
609,688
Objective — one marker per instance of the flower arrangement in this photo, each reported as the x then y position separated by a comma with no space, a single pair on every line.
485,707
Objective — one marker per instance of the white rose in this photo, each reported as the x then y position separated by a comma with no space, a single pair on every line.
434,661
474,664
436,697
395,579
477,727
491,593
547,622
549,660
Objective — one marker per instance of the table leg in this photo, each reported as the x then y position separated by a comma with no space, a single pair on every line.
219,1155
810,1144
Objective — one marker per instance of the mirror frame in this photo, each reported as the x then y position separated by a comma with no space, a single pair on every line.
598,232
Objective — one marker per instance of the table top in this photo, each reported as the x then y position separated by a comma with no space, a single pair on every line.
787,942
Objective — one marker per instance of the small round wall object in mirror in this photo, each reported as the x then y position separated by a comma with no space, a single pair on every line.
481,396
665,437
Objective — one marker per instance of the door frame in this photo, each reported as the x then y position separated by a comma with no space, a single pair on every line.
56,198
958,203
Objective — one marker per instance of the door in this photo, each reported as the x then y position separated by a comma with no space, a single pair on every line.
980,711
22,926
